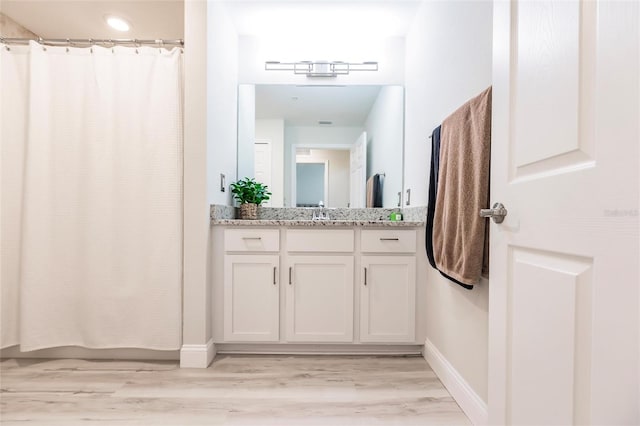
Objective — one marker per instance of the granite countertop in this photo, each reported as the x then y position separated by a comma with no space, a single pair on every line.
317,223
222,215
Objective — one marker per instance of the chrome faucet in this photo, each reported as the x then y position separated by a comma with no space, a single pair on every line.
320,214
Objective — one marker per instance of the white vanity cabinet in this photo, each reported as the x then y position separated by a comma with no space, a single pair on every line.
251,285
320,299
317,288
388,286
319,294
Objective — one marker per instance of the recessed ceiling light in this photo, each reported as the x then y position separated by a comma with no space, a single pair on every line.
117,24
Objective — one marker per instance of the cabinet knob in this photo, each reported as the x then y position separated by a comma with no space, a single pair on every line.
290,268
274,275
365,276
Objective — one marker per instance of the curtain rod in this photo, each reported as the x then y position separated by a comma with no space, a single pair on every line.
92,41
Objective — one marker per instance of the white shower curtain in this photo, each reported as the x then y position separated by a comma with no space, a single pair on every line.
91,197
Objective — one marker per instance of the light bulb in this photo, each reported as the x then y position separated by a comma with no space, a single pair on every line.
117,24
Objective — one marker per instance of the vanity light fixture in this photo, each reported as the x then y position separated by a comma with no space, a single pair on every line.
320,68
117,23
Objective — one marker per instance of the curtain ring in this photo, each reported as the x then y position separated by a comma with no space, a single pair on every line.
8,48
136,44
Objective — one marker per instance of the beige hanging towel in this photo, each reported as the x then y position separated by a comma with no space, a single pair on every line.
460,237
370,191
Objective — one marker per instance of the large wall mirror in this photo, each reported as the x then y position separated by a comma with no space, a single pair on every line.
323,145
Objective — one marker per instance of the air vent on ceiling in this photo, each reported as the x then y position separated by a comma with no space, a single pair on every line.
325,123
321,86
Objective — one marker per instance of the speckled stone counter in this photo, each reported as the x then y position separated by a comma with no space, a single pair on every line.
301,217
316,223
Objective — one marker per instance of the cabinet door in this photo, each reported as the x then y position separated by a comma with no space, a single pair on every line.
320,299
388,299
251,298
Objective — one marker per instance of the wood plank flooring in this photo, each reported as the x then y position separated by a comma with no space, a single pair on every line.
234,390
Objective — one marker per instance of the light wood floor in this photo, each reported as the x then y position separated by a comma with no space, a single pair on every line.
235,390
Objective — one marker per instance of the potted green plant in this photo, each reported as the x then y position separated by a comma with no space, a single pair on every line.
250,194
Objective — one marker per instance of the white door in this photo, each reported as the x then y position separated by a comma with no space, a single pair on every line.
320,299
388,299
262,166
563,307
358,171
251,298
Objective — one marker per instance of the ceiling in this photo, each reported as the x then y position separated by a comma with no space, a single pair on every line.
154,19
342,105
149,19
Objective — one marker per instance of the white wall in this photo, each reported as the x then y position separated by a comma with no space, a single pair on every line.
448,61
210,140
10,28
315,137
273,129
254,51
196,299
338,174
385,131
222,102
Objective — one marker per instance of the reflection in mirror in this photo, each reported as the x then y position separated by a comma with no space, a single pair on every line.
331,172
311,184
287,134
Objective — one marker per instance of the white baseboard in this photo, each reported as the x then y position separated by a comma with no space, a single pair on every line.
76,352
197,356
472,405
316,349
